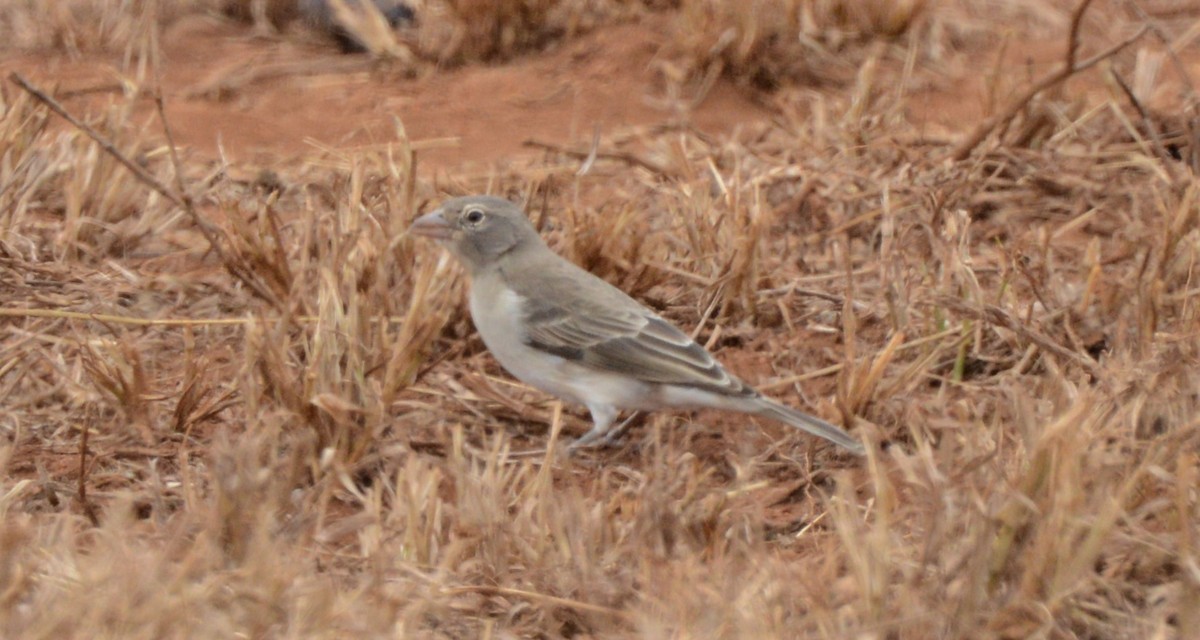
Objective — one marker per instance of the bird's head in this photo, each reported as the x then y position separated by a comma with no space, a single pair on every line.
479,230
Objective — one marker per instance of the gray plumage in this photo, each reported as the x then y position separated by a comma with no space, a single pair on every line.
565,331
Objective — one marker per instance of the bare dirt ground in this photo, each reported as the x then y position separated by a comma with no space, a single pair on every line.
284,425
480,114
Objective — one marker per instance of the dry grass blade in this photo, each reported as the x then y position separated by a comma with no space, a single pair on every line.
199,400
118,371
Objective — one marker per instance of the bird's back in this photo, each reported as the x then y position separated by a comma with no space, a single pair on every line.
576,315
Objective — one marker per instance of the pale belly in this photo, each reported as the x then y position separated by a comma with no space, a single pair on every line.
498,316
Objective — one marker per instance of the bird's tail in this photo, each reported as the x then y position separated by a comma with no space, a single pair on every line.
804,422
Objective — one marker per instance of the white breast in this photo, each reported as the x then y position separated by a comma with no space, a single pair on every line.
497,313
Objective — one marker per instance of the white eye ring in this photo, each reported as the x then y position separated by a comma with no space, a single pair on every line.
473,216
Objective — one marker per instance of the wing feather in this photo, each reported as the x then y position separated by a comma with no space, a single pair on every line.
594,324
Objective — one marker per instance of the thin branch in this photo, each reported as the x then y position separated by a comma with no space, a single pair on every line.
1182,71
591,155
138,172
1056,77
232,264
993,314
1155,137
1073,38
178,198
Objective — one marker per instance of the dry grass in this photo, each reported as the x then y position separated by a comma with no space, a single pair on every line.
1015,332
80,27
769,43
458,31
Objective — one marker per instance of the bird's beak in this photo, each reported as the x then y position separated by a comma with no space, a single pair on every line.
432,225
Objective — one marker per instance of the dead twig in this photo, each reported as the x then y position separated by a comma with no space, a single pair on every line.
236,266
1182,71
180,199
592,154
997,316
1056,77
138,172
1155,137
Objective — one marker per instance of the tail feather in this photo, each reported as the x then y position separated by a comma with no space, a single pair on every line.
809,424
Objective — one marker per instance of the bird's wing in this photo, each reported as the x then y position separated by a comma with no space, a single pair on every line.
579,317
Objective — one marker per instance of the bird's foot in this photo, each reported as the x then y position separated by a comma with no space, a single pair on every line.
603,439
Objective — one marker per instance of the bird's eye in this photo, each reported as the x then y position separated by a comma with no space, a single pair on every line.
473,216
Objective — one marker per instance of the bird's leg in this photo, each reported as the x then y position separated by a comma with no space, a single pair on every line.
611,437
592,438
607,437
602,419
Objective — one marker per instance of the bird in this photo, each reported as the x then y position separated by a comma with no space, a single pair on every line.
321,15
563,330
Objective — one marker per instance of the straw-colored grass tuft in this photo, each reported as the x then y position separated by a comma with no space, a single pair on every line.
770,43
